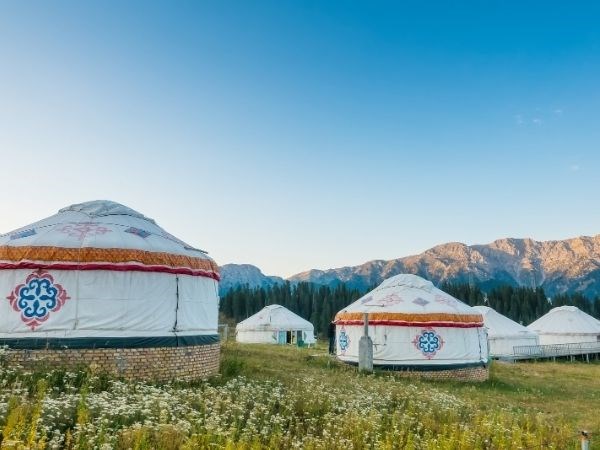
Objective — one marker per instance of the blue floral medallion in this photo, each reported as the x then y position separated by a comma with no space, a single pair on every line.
428,342
37,298
344,341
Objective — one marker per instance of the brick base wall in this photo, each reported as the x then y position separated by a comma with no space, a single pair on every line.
464,374
153,364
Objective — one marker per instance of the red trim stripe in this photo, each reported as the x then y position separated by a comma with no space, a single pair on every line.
94,255
112,267
402,323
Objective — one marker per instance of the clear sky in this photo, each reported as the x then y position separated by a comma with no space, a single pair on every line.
296,135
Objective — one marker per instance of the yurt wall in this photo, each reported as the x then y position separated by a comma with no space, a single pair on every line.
504,345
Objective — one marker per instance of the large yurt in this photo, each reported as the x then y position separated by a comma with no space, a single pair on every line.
101,284
275,324
566,325
417,327
504,334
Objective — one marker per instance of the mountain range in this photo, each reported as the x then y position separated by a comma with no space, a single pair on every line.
561,266
233,275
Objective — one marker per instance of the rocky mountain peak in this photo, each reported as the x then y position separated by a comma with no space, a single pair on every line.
570,265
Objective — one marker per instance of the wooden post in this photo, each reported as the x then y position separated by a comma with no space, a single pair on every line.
585,440
365,349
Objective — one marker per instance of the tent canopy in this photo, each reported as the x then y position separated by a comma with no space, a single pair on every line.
101,274
410,299
413,324
499,326
274,318
101,235
566,320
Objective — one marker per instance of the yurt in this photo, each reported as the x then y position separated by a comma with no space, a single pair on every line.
566,325
103,285
275,324
503,333
417,327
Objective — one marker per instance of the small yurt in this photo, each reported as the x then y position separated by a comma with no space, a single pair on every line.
415,326
103,285
566,325
275,324
503,333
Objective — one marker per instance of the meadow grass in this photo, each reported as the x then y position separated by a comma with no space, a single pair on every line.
286,397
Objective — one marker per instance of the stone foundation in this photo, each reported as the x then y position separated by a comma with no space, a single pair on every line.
464,374
152,364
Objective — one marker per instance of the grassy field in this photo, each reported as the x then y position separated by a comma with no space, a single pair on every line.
285,397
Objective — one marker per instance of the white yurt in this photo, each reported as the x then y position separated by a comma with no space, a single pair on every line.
503,333
413,325
275,324
566,325
99,275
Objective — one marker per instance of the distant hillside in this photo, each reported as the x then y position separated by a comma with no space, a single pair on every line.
244,274
571,265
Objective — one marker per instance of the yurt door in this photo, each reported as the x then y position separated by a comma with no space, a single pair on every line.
299,339
282,337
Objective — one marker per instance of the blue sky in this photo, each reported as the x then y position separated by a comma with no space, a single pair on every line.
298,135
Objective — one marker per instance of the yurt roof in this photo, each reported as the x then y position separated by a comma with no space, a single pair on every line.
499,325
412,300
566,320
274,317
98,235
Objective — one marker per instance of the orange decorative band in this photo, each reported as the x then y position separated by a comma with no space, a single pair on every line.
90,258
408,319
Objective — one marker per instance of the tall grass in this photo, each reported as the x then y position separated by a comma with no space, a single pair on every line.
279,398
